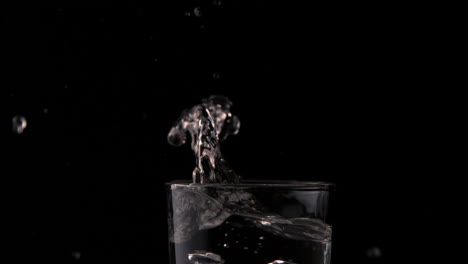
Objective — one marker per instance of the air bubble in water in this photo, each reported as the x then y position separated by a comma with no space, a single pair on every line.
19,123
197,12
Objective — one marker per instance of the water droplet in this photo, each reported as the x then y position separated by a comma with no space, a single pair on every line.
246,248
76,254
217,2
255,252
237,242
188,14
155,59
216,76
374,252
19,123
261,238
197,11
66,86
225,234
226,245
46,111
176,137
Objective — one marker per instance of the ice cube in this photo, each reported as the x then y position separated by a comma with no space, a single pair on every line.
205,258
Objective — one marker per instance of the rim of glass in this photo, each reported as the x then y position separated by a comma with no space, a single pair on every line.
249,184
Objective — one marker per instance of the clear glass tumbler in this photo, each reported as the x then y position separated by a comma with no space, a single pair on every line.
258,222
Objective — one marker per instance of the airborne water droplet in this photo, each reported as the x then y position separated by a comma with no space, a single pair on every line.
374,252
197,12
226,245
76,254
19,123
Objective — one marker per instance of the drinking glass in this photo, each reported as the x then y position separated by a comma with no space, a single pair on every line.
258,222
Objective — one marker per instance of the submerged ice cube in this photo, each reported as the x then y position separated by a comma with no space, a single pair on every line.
281,262
205,258
194,210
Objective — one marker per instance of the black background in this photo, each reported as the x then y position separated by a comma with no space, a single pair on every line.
323,93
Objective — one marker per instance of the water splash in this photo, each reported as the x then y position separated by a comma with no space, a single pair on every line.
207,123
19,124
